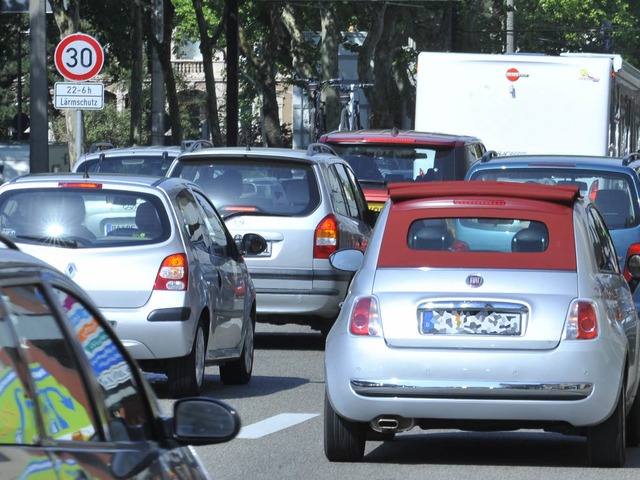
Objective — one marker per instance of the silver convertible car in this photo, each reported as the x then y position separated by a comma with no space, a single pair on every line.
156,259
537,332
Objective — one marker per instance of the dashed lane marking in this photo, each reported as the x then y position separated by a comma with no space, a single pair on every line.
274,424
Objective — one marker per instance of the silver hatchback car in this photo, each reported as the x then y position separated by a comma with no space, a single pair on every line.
157,260
306,204
539,332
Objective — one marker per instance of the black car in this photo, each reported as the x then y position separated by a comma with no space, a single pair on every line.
73,402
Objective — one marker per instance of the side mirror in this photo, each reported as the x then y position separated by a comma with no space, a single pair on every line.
632,266
347,260
251,244
204,421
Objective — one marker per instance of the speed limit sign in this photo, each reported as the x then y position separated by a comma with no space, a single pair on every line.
79,57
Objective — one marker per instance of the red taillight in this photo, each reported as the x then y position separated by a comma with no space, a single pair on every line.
365,319
325,239
92,185
583,321
173,273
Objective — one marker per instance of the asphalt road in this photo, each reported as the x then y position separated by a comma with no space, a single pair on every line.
282,434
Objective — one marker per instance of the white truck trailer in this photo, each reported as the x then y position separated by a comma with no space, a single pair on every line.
519,103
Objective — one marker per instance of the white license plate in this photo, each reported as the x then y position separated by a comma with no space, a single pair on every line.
444,322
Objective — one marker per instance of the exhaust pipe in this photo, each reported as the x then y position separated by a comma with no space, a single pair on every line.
392,424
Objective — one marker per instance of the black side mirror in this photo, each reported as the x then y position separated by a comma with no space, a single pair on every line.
251,244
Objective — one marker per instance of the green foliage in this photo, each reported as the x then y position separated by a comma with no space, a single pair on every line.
107,125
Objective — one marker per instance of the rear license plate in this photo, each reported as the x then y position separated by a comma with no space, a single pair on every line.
443,322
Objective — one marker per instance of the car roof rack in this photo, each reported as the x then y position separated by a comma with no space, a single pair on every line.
315,148
488,155
99,146
630,157
191,145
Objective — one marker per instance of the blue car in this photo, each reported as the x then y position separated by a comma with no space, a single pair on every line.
611,182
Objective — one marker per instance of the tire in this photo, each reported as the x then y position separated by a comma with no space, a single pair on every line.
238,372
186,374
633,423
312,126
344,440
344,120
606,441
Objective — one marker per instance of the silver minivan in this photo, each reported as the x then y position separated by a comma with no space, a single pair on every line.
306,204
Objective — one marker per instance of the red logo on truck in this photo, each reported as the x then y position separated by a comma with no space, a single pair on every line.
513,74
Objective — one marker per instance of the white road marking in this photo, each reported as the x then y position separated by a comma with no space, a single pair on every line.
274,424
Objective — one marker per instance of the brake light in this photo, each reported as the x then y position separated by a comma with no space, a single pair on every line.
173,273
325,238
92,185
582,323
365,319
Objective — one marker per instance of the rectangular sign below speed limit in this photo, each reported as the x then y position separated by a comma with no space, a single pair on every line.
78,96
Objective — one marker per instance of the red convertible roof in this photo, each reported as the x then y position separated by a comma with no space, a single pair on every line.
548,204
562,194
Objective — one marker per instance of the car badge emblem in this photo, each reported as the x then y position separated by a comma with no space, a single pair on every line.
71,270
474,281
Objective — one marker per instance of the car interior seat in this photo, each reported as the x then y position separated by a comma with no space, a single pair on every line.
297,192
615,207
534,238
147,219
429,235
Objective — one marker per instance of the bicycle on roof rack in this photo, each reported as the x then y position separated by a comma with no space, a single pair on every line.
317,115
350,115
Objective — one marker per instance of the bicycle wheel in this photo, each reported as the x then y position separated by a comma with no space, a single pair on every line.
321,124
354,121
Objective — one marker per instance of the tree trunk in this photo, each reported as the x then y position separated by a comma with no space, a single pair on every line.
264,63
207,45
135,92
330,39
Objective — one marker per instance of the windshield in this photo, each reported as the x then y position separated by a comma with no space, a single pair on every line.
266,186
83,218
612,192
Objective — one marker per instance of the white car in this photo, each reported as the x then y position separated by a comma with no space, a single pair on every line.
157,260
537,332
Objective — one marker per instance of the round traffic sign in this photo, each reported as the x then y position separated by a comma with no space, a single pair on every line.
79,57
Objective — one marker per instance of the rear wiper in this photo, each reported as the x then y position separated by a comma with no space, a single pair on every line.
254,213
58,241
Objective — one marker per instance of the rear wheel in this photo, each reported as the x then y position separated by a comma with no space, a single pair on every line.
344,440
633,423
606,441
238,372
186,374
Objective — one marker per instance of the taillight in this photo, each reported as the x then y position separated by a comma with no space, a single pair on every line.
365,319
173,273
582,323
325,239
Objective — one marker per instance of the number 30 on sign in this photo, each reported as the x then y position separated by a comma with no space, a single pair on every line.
79,57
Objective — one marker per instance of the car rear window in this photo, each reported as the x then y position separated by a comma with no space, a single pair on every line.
155,165
401,163
261,186
480,238
612,192
83,218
